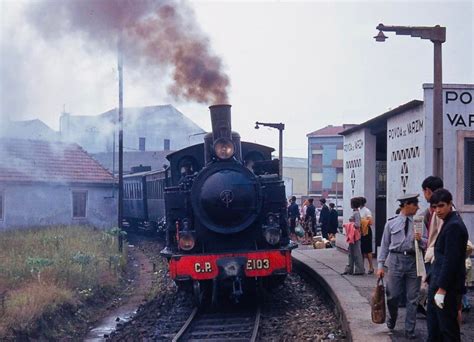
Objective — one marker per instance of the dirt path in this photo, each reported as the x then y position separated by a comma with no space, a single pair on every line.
140,279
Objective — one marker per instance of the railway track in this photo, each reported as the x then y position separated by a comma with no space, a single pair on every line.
234,326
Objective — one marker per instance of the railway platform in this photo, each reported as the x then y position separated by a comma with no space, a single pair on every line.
351,295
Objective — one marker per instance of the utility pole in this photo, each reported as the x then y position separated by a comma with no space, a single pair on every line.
120,152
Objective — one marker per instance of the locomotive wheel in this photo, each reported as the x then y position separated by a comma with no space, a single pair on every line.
197,293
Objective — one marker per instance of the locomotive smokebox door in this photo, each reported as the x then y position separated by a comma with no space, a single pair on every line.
226,198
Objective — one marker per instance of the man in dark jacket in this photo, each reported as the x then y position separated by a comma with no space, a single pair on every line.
324,218
448,272
293,215
333,220
310,217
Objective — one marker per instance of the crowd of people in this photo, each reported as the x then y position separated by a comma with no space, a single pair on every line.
307,218
425,260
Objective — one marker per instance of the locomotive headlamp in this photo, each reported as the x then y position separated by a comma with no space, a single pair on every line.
224,148
272,235
186,241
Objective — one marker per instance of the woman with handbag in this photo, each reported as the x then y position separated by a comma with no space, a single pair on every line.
366,233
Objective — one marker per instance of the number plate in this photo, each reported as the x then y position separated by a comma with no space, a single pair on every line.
258,264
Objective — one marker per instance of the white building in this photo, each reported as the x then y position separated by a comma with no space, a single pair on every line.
153,128
391,154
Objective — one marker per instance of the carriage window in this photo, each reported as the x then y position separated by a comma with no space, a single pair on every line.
79,204
139,192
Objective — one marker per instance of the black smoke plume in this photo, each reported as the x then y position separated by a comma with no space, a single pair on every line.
152,33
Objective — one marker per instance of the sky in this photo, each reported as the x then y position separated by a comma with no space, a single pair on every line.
306,64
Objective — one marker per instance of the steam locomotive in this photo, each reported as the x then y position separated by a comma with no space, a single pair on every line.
226,216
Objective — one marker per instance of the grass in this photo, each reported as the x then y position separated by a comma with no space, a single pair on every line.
43,268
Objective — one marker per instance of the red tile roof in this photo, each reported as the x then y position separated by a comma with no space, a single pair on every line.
329,130
35,160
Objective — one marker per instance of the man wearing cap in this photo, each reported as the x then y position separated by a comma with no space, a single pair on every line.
398,242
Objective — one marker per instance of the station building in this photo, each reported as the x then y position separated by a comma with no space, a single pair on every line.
392,154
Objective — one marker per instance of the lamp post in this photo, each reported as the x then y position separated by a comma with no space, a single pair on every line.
437,34
280,127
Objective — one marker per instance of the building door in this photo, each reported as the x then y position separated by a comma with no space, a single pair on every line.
381,215
380,201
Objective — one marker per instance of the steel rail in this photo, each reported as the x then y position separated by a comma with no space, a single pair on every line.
186,325
256,324
212,328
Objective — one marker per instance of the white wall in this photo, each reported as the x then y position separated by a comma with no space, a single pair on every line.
359,173
406,152
359,169
41,205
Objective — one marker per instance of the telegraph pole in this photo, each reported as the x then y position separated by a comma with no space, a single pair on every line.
120,137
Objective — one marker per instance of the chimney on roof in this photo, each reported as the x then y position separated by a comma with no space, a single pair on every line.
166,144
141,144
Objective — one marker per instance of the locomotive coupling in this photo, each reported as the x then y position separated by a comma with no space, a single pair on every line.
231,267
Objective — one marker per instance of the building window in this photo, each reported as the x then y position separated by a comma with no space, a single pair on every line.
315,177
141,144
340,154
1,205
340,177
317,152
469,171
167,144
79,204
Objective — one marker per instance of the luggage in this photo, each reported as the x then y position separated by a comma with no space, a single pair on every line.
377,303
299,230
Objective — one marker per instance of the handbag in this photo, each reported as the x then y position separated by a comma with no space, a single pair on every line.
299,230
377,303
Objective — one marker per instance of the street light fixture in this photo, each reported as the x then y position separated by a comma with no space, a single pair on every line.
280,127
437,34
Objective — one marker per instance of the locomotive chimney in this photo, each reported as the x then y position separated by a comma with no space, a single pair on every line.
221,124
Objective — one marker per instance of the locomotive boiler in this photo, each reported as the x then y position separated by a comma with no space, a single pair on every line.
226,216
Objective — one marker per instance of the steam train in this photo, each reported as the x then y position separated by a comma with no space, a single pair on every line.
226,216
